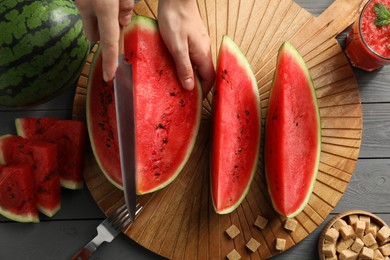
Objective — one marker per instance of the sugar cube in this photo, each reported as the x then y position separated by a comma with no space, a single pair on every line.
383,233
385,250
369,240
347,232
261,222
233,255
367,253
280,244
360,227
347,255
232,231
329,250
253,245
290,224
331,235
357,245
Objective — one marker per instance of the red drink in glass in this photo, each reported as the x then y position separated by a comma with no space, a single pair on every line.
368,45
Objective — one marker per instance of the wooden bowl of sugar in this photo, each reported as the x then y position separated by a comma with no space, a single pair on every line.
355,234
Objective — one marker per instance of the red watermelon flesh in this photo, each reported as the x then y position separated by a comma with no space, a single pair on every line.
293,134
70,138
236,129
42,157
17,194
167,116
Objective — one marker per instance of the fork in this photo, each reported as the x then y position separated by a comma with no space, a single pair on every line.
107,231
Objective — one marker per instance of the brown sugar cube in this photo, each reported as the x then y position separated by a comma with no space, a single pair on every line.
329,250
347,232
377,254
360,227
261,222
348,255
331,235
383,233
352,219
343,244
374,246
387,240
233,255
373,229
253,245
357,245
366,219
232,231
280,244
373,225
367,253
385,250
369,240
332,258
339,223
290,224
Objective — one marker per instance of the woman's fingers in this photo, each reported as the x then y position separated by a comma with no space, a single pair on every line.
125,12
200,54
101,21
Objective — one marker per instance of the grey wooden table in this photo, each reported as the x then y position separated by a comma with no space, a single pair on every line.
75,224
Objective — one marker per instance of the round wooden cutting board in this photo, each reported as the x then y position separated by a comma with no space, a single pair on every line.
179,221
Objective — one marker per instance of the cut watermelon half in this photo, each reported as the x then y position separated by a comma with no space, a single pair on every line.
17,193
70,138
236,129
167,116
293,134
42,158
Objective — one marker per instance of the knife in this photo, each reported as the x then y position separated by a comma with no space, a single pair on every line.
125,117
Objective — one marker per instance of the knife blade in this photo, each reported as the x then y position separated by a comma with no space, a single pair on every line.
125,117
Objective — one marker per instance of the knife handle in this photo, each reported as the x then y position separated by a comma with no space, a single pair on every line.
83,254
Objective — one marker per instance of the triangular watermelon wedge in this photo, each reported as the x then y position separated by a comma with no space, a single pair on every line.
292,134
236,129
17,193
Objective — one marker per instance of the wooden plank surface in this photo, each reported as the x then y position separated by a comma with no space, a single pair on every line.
75,224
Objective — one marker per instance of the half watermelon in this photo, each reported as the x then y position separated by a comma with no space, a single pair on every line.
236,128
17,194
167,116
292,134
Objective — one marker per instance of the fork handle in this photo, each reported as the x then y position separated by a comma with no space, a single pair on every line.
83,254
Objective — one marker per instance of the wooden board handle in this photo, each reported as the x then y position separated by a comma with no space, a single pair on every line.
339,15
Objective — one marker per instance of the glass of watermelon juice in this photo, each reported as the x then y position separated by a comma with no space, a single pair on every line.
368,41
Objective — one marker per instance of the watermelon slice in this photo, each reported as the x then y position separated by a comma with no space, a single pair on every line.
167,116
70,138
17,195
236,129
42,158
293,134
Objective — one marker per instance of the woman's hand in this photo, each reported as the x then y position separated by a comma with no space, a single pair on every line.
101,21
180,26
188,41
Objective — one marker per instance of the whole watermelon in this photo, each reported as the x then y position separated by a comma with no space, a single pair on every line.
42,49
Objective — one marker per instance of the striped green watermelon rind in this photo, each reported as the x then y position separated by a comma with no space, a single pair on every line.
167,116
236,129
292,135
42,49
